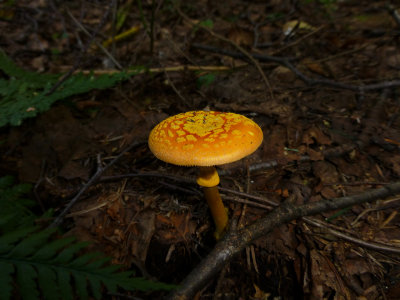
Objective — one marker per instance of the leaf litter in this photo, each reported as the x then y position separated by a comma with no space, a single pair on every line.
161,227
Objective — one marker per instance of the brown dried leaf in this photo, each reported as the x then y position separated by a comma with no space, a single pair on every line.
241,37
315,155
179,227
325,278
314,135
141,234
325,171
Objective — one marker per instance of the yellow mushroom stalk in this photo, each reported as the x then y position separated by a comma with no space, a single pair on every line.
206,139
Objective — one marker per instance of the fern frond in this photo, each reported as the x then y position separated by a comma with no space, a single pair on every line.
35,265
13,202
25,94
41,267
7,269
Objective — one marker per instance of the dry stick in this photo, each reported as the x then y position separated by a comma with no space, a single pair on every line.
78,60
310,81
314,222
189,180
238,47
328,153
370,245
296,42
267,204
106,52
234,243
165,69
91,181
394,13
174,88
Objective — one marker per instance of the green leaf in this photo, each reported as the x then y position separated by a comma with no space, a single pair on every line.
27,287
50,250
98,263
64,282
34,264
6,280
80,285
205,80
207,23
7,240
27,246
83,260
25,94
47,282
95,285
68,253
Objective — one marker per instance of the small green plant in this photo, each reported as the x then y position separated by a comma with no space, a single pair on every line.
325,2
208,23
24,94
205,80
34,264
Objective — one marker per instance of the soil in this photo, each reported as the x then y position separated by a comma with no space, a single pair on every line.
328,133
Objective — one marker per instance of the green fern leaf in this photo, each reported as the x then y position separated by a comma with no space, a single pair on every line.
64,283
7,240
47,282
83,260
25,94
26,280
34,265
95,285
50,250
80,285
5,280
46,265
98,263
142,284
67,254
30,244
12,202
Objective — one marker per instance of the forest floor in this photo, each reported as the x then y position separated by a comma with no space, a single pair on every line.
323,86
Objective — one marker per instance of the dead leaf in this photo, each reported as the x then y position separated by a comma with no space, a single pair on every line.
315,135
325,278
241,37
260,294
326,172
140,234
179,227
289,26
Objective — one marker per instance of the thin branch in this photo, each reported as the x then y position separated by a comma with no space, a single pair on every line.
310,81
106,52
91,181
234,242
395,14
160,70
262,202
238,47
354,240
88,43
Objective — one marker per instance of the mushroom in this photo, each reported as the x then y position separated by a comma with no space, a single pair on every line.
206,139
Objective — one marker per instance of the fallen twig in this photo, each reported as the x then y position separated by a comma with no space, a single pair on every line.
160,70
234,242
354,240
310,81
238,47
58,220
79,58
262,202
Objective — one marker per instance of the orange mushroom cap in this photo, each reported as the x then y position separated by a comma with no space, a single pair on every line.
204,138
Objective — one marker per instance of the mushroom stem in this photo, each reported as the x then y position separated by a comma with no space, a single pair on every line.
218,210
208,178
